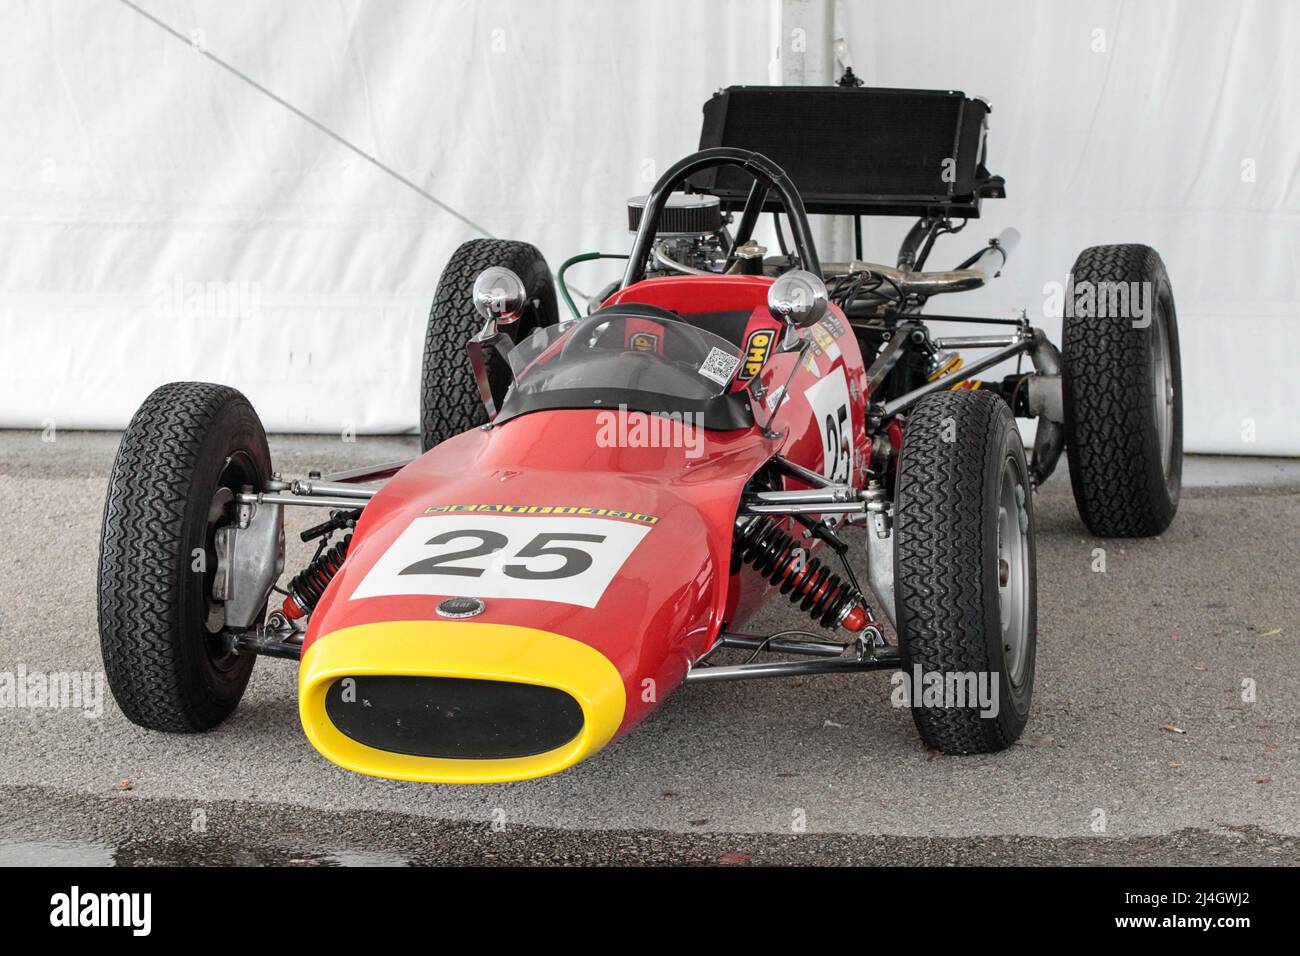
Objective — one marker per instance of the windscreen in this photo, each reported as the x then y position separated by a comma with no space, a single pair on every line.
606,356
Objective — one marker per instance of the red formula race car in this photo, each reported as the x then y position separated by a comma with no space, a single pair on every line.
607,498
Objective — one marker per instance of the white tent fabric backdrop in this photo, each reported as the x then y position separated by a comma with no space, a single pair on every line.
163,219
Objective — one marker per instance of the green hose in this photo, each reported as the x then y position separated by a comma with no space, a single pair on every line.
574,260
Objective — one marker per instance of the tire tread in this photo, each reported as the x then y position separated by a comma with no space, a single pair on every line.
449,398
144,516
1112,458
939,561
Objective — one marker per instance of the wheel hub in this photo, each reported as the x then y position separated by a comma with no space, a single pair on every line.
1013,571
1162,389
216,615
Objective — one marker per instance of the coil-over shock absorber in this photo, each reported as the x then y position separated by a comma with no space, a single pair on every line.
307,586
831,601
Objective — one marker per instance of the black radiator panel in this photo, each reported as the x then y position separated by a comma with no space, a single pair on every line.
856,150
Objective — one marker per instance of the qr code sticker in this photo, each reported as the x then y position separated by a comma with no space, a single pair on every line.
719,366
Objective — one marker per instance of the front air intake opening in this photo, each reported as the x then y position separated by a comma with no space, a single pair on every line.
453,717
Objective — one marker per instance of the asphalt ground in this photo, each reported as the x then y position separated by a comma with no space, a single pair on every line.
1165,728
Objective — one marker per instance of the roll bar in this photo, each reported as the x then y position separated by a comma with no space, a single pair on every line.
768,176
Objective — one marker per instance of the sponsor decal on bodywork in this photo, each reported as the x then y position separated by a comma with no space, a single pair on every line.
829,399
833,325
585,511
644,342
758,346
824,342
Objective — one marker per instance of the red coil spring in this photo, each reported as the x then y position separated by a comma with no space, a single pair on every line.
306,588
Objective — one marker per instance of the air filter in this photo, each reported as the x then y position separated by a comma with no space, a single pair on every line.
686,214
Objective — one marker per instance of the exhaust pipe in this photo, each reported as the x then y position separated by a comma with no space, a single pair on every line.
992,259
975,272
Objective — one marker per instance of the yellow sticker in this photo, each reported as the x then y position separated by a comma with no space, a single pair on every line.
825,341
757,348
544,510
645,342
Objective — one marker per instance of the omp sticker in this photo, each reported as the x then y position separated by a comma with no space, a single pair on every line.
718,366
562,559
831,407
757,348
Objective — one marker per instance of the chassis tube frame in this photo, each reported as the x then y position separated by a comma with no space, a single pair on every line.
888,410
368,472
306,501
769,669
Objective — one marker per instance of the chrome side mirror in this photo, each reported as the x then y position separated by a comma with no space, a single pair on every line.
499,295
797,298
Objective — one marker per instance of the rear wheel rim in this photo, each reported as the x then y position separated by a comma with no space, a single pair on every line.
1162,389
1013,571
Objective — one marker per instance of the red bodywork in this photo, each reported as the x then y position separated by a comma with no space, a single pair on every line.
673,594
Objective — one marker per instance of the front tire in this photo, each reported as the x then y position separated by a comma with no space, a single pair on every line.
1122,388
188,451
449,397
965,580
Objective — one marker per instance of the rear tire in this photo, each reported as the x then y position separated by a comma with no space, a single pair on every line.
1122,387
449,398
189,449
965,579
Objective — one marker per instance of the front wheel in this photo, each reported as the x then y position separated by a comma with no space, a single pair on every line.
189,450
965,580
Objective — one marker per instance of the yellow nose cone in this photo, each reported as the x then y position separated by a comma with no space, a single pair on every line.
456,701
